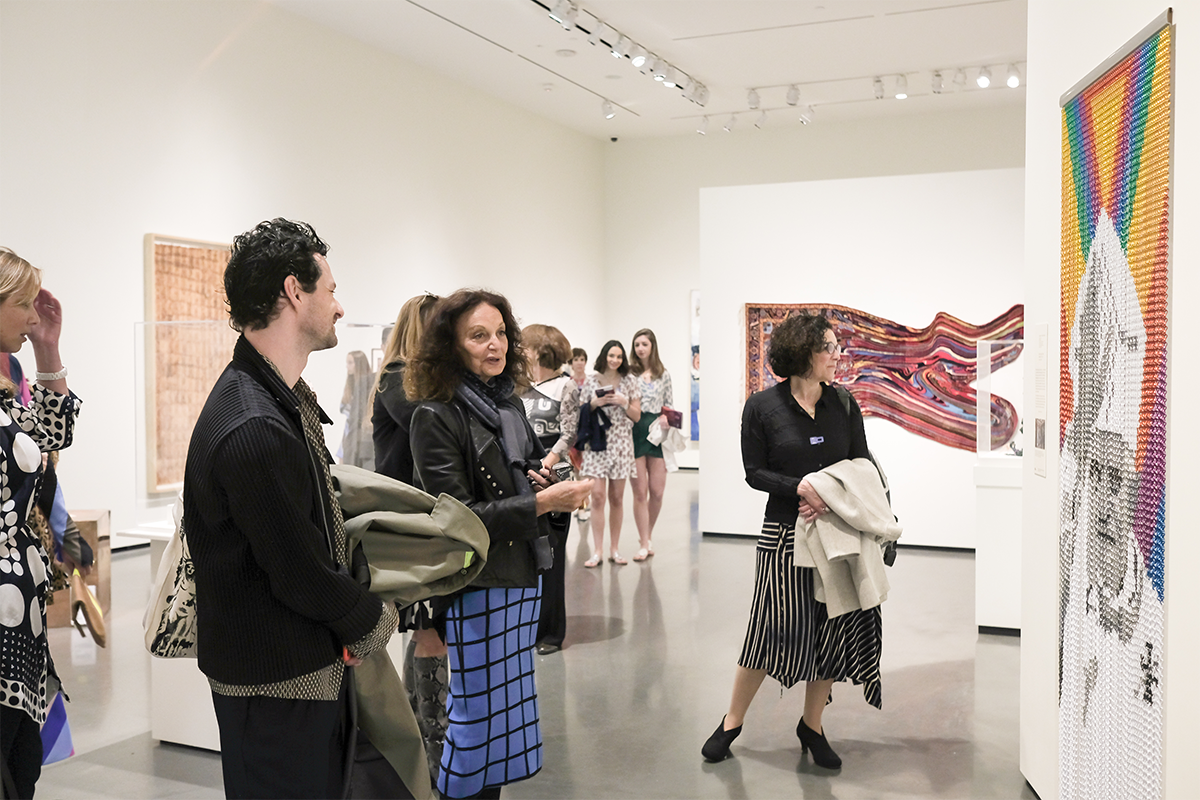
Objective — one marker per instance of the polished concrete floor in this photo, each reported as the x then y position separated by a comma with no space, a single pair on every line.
643,680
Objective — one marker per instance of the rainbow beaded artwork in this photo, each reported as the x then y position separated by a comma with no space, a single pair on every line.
1116,151
918,378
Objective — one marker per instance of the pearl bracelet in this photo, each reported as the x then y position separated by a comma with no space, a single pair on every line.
52,376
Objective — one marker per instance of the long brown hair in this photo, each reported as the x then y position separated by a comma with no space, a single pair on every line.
437,368
405,338
653,363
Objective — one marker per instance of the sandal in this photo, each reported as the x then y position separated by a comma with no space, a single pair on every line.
642,555
617,558
594,561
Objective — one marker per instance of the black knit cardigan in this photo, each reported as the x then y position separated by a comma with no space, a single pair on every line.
271,601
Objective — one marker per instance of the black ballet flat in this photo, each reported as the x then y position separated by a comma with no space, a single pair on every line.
822,753
717,746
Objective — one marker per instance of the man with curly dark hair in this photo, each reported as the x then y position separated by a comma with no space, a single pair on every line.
279,617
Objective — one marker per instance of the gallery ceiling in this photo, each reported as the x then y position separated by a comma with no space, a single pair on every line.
831,51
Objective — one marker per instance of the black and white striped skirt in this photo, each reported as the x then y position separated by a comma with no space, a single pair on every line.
790,634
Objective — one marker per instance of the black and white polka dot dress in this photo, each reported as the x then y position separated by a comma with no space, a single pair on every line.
46,425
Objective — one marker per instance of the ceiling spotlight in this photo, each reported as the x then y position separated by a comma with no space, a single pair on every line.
985,78
565,13
761,121
728,127
597,33
793,95
936,83
606,108
901,88
671,80
878,84
621,47
696,92
638,56
806,114
1014,77
703,129
960,79
752,99
659,70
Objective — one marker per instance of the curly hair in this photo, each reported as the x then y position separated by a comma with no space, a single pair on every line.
793,343
653,363
547,346
259,263
437,368
601,364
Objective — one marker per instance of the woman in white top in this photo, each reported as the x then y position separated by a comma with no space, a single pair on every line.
611,392
552,405
650,479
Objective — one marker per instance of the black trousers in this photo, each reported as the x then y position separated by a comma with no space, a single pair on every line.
20,749
552,625
272,748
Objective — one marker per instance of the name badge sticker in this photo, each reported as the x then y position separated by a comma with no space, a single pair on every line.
816,439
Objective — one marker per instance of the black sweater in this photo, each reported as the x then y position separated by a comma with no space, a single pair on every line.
781,443
271,602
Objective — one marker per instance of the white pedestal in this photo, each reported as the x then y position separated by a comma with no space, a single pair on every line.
998,543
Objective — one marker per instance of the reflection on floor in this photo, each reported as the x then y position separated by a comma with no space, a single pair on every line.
643,680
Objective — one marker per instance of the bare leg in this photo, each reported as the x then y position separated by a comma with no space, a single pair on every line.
616,504
597,521
745,686
641,501
657,469
816,695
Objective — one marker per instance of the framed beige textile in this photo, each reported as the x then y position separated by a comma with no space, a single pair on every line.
184,287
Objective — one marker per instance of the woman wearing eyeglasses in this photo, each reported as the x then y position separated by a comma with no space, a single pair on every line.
789,431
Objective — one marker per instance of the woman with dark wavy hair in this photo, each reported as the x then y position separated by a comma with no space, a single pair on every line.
798,427
612,391
471,440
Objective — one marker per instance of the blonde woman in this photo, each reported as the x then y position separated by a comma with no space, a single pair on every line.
28,313
650,479
426,670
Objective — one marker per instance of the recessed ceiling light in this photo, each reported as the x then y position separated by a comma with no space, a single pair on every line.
564,53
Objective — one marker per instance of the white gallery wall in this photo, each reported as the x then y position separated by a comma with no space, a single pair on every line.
199,119
652,203
902,248
1067,40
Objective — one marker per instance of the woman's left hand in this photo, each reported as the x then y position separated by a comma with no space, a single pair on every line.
49,326
810,498
663,422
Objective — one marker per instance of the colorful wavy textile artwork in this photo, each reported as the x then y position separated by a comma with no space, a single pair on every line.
1116,152
919,378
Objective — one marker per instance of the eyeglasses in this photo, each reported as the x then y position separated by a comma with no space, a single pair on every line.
831,348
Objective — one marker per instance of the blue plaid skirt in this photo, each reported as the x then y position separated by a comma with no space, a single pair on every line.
493,737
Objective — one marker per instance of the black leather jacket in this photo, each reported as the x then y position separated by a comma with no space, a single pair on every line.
454,453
